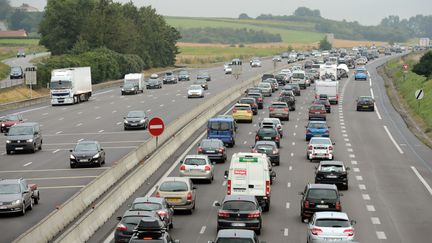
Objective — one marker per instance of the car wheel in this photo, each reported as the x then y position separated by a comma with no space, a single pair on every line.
72,166
23,211
171,225
31,204
34,149
99,164
258,231
8,152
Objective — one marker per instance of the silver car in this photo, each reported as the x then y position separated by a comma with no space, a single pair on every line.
266,89
179,192
330,227
197,167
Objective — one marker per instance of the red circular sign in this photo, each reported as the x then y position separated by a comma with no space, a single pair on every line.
405,66
156,126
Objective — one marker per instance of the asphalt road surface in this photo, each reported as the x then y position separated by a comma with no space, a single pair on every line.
389,194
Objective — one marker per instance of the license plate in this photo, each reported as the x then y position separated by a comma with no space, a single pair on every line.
365,106
267,138
3,207
211,151
322,206
331,176
83,160
238,224
317,135
19,148
174,200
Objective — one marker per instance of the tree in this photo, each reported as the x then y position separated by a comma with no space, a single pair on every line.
424,66
306,12
5,9
324,44
244,16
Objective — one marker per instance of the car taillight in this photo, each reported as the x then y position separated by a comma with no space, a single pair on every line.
189,196
200,150
310,147
254,214
349,232
271,109
275,151
182,167
256,137
223,214
207,168
162,213
267,188
286,109
221,150
327,132
229,187
157,194
337,97
331,148
306,204
121,227
316,231
260,99
338,207
277,138
234,110
249,111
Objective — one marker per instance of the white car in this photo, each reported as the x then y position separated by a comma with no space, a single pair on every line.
277,59
195,91
330,227
320,148
255,63
197,167
228,68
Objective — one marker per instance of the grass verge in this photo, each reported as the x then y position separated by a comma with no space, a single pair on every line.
19,93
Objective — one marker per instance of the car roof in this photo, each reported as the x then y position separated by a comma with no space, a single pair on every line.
322,186
176,178
10,181
139,213
225,119
26,124
250,198
196,156
334,162
331,215
239,233
149,199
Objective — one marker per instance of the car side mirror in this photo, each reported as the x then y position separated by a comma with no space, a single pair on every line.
347,168
273,174
226,174
70,150
329,127
102,149
119,217
213,162
217,204
334,143
306,221
124,117
194,187
353,222
6,134
26,191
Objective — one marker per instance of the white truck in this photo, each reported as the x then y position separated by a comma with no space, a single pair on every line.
133,83
328,71
249,174
70,85
328,87
299,77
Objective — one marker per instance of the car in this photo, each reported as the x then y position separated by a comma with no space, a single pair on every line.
282,78
330,227
295,88
197,167
228,68
269,148
21,53
279,110
183,76
87,152
365,103
195,90
236,235
317,111
179,192
154,204
201,82
324,102
252,102
16,73
266,89
135,120
301,57
317,129
255,63
273,122
277,59
214,149
242,112
308,64
320,148
259,98
273,82
170,78
252,90
266,76
151,230
268,134
239,212
130,220
332,172
9,120
319,198
17,196
361,61
204,75
129,88
26,136
222,127
289,100
360,74
154,82
387,52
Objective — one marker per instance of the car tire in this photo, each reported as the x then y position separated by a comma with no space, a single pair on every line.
23,211
30,207
258,231
99,164
8,152
171,225
34,149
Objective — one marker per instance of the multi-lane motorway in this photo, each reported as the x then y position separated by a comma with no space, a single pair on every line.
390,169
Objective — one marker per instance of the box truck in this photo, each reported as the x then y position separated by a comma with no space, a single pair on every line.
330,88
70,85
133,83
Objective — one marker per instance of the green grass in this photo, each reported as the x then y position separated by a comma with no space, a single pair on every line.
19,42
291,32
4,70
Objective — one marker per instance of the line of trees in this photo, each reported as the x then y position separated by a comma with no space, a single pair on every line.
227,35
424,66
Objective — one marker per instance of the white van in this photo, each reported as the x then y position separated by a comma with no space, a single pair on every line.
249,174
299,76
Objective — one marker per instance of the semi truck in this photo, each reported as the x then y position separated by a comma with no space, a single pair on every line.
70,85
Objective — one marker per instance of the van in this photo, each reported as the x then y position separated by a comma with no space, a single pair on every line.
223,128
25,136
249,174
299,76
329,88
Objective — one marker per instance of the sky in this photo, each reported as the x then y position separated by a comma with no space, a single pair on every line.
366,12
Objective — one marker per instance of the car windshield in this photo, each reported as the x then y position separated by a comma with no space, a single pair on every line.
132,220
11,118
220,125
320,141
298,75
239,206
16,69
242,108
146,206
234,240
331,168
60,84
278,105
267,132
210,144
135,114
322,194
365,98
288,86
263,85
129,85
195,161
20,130
86,147
335,223
317,125
255,95
195,87
9,189
173,186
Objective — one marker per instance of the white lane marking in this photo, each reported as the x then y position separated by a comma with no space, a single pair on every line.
114,111
370,82
118,123
156,127
293,143
375,220
352,155
349,149
287,205
255,125
250,133
128,106
55,151
289,184
292,154
372,93
79,140
44,114
61,118
79,113
298,119
112,103
148,110
29,163
79,124
51,170
342,120
346,139
286,232
97,118
422,180
393,140
296,126
290,168
172,100
224,183
381,235
59,132
203,229
356,169
354,162
100,131
362,187
343,131
370,208
60,178
103,92
294,134
60,187
245,142
366,197
348,144
35,109
343,127
377,112
161,105
344,135
96,107
342,123
359,178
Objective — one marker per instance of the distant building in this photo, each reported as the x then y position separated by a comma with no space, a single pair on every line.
13,33
330,38
27,8
423,42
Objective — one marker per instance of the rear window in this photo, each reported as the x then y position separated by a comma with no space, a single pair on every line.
173,186
239,206
132,220
317,125
279,105
335,223
246,101
242,108
210,143
322,194
146,206
331,168
267,132
264,147
317,107
219,125
194,161
320,141
298,75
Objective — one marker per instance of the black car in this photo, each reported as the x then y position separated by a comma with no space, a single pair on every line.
151,230
269,148
239,212
266,76
365,103
204,75
136,120
87,153
202,82
289,100
252,90
128,222
20,53
16,73
183,76
324,102
236,235
308,64
281,78
268,134
170,78
213,148
259,98
295,88
155,204
250,101
332,172
318,198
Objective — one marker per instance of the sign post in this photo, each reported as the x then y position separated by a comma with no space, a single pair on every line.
156,127
405,70
30,78
419,94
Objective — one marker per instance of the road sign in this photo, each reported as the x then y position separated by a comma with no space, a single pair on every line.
156,126
419,94
405,67
30,76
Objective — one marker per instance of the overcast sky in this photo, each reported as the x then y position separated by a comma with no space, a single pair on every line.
368,12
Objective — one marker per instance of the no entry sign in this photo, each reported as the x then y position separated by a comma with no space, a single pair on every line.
156,126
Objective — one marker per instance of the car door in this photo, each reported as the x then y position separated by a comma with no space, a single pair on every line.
26,196
37,135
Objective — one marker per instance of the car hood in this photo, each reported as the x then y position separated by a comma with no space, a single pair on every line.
9,197
133,119
82,154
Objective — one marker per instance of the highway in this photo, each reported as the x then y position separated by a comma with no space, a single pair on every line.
389,193
99,119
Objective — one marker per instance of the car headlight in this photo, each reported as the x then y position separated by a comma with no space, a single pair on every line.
3,125
8,141
133,89
125,121
96,156
29,140
142,121
72,156
18,201
122,89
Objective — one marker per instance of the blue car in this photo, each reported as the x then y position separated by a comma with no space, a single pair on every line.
317,129
360,74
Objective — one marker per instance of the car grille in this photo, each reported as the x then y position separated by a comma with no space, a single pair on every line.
18,141
320,147
5,203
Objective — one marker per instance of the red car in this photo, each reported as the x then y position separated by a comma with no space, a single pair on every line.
317,111
8,121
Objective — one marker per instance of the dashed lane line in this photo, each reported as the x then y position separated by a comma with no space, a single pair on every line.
366,197
381,235
375,220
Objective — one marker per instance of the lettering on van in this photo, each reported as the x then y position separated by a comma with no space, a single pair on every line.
240,172
249,159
